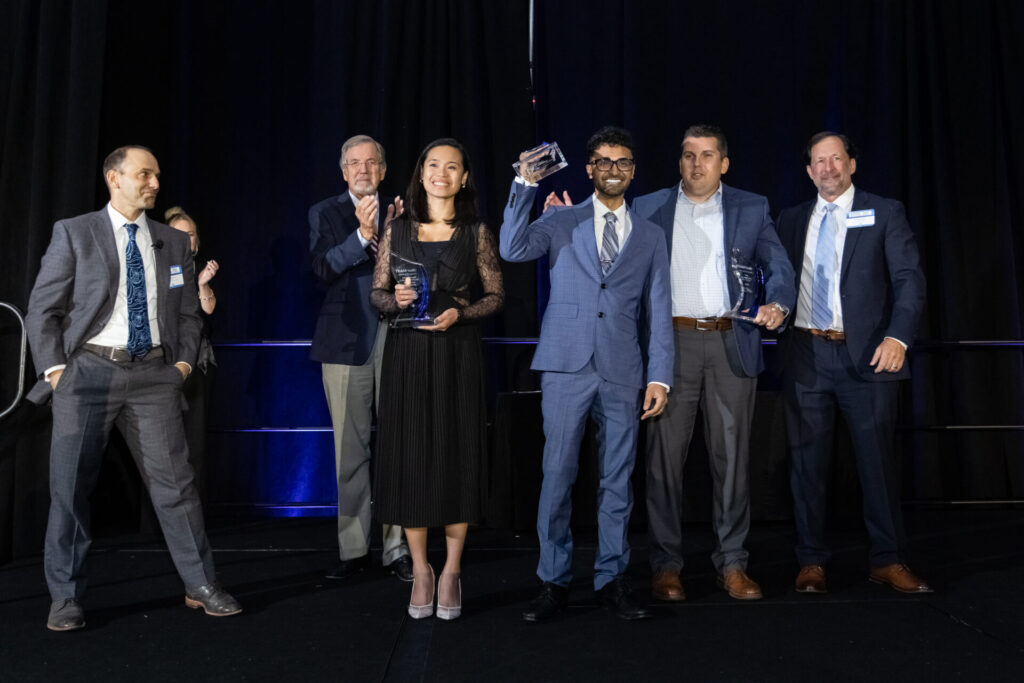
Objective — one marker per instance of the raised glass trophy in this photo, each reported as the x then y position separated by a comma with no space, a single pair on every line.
538,163
416,313
749,280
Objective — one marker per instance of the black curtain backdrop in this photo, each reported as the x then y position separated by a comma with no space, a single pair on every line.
246,104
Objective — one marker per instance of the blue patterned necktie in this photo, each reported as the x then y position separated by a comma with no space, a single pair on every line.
825,271
139,340
609,243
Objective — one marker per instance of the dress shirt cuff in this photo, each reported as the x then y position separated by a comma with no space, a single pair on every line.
898,342
523,181
362,240
668,389
50,371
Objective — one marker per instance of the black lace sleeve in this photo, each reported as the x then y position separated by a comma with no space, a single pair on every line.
382,296
489,268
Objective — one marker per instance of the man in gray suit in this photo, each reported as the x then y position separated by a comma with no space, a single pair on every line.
114,327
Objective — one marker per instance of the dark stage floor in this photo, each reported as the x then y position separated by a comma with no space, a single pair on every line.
298,626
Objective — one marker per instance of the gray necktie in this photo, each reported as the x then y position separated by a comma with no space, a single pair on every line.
609,242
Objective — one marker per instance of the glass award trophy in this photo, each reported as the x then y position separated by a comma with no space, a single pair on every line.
415,315
538,163
749,280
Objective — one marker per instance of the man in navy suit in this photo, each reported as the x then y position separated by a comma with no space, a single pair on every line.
349,343
861,291
609,289
717,358
114,324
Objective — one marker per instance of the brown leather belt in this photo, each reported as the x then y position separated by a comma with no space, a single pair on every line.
119,355
830,335
703,324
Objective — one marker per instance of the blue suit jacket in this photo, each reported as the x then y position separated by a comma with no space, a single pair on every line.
591,314
881,285
749,228
347,324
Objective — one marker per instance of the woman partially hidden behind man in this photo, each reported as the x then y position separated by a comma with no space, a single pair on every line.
432,423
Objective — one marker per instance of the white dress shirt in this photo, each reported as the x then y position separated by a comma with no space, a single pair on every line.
115,332
622,225
843,203
700,288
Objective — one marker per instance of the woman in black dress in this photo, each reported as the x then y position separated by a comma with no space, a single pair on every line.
432,422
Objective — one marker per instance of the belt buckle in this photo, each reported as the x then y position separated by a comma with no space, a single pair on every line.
703,322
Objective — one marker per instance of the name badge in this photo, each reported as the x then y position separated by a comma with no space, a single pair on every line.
177,279
860,219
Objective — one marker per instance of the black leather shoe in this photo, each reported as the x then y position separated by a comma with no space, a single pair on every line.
66,615
347,568
214,600
617,597
552,600
401,567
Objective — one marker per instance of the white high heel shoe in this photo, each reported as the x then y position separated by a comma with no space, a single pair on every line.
422,611
454,611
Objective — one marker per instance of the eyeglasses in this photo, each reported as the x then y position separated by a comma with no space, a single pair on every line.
605,164
369,163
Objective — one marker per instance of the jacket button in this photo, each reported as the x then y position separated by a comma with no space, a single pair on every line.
604,286
601,314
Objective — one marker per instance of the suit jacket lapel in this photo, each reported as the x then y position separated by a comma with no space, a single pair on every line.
730,219
163,276
103,233
583,238
667,216
800,240
852,237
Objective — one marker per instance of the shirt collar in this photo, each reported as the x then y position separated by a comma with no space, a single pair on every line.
715,199
600,210
118,220
843,202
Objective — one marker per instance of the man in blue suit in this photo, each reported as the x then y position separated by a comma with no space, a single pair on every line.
349,342
609,288
861,291
717,358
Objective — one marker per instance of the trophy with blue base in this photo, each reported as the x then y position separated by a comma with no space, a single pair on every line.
748,279
415,315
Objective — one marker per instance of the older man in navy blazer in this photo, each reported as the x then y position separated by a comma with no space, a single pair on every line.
609,289
718,358
861,291
349,343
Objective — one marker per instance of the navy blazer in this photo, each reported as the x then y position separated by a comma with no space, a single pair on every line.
749,228
591,314
881,285
347,325
76,289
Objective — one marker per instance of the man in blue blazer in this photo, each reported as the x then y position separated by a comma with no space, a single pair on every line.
609,289
718,357
861,291
349,343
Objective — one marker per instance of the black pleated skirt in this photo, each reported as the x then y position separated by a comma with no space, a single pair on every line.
431,428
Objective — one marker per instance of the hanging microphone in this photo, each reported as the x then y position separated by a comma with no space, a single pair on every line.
159,244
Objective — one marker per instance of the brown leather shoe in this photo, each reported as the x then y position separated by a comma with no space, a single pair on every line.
811,579
899,577
738,585
666,586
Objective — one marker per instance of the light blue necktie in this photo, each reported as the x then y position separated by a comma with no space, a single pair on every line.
609,243
139,340
824,271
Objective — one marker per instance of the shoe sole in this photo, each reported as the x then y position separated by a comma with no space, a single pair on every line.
196,604
60,629
811,590
533,619
664,597
883,582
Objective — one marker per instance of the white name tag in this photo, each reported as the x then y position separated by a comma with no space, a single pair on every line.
177,279
860,219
